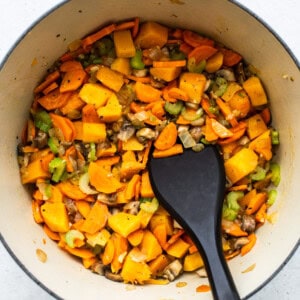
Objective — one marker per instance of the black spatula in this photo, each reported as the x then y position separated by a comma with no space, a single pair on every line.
191,187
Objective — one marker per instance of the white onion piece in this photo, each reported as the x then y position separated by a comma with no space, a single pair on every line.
84,185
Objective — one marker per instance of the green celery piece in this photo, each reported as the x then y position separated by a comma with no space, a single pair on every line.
57,167
220,86
71,235
173,108
272,195
232,199
136,62
53,144
149,206
228,213
92,154
42,120
275,137
275,169
259,174
193,67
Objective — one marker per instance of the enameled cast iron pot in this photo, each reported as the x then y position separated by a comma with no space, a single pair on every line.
224,21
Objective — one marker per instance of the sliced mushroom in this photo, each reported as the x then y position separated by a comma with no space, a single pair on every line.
109,199
202,273
145,134
98,268
126,132
196,133
132,207
173,270
228,74
248,223
114,277
240,242
41,140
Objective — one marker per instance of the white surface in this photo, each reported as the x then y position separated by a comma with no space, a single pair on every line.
281,16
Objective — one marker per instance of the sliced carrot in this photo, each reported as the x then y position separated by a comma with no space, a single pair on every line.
185,48
169,63
125,25
261,214
220,129
241,187
137,107
48,80
54,99
147,93
36,212
256,202
252,241
238,132
177,33
71,190
160,232
266,115
233,228
210,134
165,91
206,106
167,137
91,39
70,65
136,26
72,80
202,52
176,93
50,88
51,234
195,39
65,125
231,57
176,149
226,111
89,114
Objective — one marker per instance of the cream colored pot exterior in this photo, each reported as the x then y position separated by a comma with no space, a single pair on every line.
223,21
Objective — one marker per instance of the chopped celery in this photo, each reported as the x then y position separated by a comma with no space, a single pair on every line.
57,167
275,137
173,108
275,169
228,213
232,199
42,120
220,86
48,191
192,116
258,174
149,205
53,144
193,67
92,154
71,236
136,62
272,195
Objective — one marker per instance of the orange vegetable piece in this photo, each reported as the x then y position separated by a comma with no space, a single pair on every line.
48,80
147,93
233,228
36,212
169,63
65,125
96,218
160,232
73,104
71,190
227,112
146,188
240,103
203,288
261,214
136,237
256,202
72,80
80,252
255,126
51,234
194,39
252,241
70,65
214,62
220,129
167,137
50,88
108,253
210,134
174,150
231,57
33,172
178,94
150,246
89,114
54,100
263,145
202,52
121,248
158,264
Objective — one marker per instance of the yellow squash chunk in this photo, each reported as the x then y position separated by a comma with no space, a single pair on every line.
110,78
166,74
122,65
178,249
93,132
262,145
133,271
124,223
94,93
158,219
232,88
104,152
132,145
158,264
112,111
255,126
136,237
129,168
192,262
55,216
255,90
146,188
150,246
240,165
102,179
151,34
193,84
123,43
33,172
145,217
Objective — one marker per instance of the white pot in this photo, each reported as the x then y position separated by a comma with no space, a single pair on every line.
47,40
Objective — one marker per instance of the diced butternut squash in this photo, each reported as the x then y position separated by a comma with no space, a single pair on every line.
83,207
135,271
144,217
262,145
255,90
94,93
158,264
162,219
167,74
33,172
192,262
55,216
136,237
193,84
121,248
214,63
146,188
112,111
151,34
124,223
240,165
232,88
255,126
178,249
96,218
93,132
121,65
104,152
129,168
123,43
110,78
150,246
147,93
132,144
240,104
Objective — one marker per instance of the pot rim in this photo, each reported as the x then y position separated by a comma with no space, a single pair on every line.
57,6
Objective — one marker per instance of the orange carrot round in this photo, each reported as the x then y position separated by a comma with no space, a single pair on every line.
167,138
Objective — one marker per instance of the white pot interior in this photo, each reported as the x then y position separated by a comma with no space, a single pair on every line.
223,21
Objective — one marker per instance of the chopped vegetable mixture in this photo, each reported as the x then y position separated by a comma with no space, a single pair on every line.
115,94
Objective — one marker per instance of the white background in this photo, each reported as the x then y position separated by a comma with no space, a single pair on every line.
17,15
